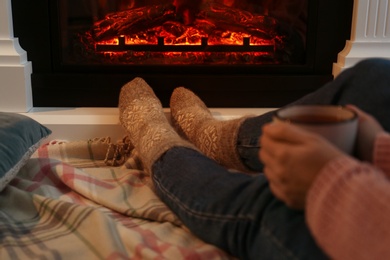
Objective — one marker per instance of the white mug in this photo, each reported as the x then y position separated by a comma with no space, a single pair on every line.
338,124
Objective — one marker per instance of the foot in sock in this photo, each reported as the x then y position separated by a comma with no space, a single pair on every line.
142,116
215,138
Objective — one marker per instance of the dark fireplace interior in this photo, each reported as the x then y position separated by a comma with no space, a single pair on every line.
248,53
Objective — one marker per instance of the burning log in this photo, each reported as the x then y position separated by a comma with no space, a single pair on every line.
156,34
238,20
132,21
212,17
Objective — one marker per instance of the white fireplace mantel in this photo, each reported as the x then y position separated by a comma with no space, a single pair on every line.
15,69
370,34
370,37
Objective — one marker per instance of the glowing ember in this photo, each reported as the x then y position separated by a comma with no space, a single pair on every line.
154,35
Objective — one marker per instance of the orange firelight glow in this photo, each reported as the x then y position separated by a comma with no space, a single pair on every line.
150,35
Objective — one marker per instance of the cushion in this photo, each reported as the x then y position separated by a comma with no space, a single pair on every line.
20,137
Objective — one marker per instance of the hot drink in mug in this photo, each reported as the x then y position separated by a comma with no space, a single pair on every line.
338,124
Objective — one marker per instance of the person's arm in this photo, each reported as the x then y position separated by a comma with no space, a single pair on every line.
347,201
348,210
293,157
381,154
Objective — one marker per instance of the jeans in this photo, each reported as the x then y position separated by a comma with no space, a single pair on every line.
237,212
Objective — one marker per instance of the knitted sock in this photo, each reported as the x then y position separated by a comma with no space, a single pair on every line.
142,116
215,138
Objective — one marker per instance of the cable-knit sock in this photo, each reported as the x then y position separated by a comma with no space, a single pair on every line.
215,138
142,116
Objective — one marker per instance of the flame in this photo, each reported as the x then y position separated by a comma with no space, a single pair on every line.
189,37
172,42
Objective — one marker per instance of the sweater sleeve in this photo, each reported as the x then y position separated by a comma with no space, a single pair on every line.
348,209
381,155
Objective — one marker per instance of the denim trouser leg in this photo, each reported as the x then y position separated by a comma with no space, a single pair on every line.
234,211
367,85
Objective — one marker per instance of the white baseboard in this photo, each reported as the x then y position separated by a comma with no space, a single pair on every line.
86,123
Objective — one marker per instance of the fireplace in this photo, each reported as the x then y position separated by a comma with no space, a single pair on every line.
75,65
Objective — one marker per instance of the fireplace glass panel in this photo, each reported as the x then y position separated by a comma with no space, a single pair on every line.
166,32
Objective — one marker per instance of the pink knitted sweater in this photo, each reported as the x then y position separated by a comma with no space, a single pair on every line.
348,207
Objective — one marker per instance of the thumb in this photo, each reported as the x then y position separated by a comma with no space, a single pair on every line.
286,132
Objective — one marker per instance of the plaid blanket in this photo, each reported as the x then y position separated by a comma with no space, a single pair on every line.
66,203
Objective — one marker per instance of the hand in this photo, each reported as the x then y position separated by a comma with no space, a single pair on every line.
292,158
368,129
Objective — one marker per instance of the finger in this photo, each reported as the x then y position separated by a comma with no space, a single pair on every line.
285,132
354,108
275,149
272,140
278,192
365,117
274,175
272,150
361,114
285,197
